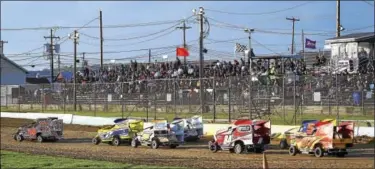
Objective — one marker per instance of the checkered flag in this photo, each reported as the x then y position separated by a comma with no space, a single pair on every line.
240,48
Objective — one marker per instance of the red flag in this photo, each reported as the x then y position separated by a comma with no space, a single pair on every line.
182,52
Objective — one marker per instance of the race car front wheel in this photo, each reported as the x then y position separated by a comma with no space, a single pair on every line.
95,141
19,138
40,139
154,144
292,150
116,141
318,152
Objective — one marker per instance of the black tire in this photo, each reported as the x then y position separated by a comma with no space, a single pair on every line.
238,148
258,150
318,151
40,139
340,154
134,143
172,146
283,144
95,140
116,141
292,150
154,144
213,147
18,138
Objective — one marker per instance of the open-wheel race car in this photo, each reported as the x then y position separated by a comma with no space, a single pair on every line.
122,131
284,139
156,135
243,135
323,138
43,129
193,128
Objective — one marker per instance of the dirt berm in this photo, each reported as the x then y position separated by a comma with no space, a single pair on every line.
77,144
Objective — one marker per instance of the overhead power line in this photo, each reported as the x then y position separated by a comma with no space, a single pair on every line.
91,27
259,13
130,38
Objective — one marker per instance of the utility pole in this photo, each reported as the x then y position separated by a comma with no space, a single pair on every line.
51,37
200,15
249,31
75,38
2,46
184,27
295,76
83,60
149,56
58,62
101,39
293,20
338,27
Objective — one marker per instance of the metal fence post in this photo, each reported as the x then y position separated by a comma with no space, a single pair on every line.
147,100
229,100
363,102
64,95
95,98
175,97
19,98
214,97
155,105
122,100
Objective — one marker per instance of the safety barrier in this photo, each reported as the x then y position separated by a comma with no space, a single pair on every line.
209,129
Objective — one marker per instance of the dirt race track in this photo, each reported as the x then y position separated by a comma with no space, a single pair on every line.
77,144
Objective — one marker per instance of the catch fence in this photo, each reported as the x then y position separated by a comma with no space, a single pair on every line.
287,99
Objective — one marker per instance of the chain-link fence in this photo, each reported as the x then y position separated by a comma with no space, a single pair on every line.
288,99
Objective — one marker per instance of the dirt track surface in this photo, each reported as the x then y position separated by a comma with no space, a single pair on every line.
77,144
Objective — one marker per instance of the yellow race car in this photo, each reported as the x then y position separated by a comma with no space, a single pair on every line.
123,131
284,138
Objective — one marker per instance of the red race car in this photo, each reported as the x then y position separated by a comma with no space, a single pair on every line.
243,135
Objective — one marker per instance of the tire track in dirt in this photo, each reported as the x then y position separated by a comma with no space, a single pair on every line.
77,144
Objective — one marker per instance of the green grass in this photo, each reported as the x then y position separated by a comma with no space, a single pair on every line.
11,159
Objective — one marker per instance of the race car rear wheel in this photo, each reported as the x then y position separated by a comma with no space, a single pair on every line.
134,143
172,146
96,140
40,139
238,148
292,150
283,144
154,144
19,138
318,151
116,141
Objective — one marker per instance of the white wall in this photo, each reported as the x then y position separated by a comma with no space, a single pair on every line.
208,129
10,74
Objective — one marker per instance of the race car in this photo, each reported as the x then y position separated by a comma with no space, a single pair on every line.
325,138
43,129
122,131
243,135
284,139
156,135
193,128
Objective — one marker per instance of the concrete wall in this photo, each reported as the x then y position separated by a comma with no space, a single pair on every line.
209,129
10,74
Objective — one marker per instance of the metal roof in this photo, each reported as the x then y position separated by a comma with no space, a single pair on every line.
13,63
353,37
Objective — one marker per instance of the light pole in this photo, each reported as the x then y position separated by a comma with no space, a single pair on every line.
200,15
249,55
